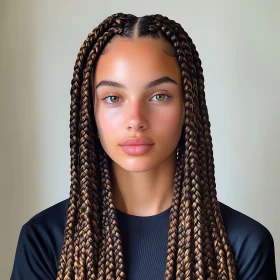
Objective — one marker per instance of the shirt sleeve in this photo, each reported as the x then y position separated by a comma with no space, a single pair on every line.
258,256
31,259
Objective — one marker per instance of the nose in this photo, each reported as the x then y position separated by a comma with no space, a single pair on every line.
136,116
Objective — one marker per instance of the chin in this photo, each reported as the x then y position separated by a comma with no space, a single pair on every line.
137,165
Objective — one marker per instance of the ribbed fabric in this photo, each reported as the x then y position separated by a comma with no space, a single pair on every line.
144,244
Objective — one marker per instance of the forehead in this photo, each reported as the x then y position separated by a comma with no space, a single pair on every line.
137,55
142,43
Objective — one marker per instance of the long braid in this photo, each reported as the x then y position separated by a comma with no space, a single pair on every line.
113,232
206,126
212,184
197,247
209,153
105,248
87,219
102,247
210,269
194,171
172,246
208,243
219,248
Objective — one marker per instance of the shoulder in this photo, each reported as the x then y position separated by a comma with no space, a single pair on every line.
40,243
239,224
251,242
52,217
46,229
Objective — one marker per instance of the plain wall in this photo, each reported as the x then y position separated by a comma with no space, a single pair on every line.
238,43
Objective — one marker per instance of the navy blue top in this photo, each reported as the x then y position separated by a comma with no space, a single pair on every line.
144,245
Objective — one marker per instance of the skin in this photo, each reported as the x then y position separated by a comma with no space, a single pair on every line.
142,184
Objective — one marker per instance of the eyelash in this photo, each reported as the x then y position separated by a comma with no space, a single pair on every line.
168,97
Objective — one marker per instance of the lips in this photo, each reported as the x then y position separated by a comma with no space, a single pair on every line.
137,141
136,146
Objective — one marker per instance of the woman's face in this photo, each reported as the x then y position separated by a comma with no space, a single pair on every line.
137,107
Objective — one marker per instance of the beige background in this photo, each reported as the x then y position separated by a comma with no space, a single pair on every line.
239,45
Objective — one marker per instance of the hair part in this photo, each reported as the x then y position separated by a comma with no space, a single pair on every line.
198,247
139,28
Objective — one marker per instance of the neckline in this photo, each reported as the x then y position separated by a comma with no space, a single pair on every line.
163,213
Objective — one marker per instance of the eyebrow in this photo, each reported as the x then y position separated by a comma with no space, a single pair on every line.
162,80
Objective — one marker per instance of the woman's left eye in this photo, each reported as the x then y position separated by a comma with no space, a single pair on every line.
161,97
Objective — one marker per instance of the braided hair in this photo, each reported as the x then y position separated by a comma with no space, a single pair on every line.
198,247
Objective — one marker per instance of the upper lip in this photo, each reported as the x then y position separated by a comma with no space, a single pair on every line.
137,141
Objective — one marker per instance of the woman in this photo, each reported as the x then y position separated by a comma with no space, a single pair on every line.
143,201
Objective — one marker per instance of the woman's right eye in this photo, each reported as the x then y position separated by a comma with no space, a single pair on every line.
112,98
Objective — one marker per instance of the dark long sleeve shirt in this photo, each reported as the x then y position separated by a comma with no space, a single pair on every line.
144,245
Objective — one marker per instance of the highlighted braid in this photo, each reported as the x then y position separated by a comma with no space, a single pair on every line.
198,247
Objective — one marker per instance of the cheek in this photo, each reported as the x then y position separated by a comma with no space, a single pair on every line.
108,125
171,121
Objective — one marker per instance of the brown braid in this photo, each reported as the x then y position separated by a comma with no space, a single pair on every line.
210,166
198,247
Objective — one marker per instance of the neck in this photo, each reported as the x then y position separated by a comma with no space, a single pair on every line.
144,193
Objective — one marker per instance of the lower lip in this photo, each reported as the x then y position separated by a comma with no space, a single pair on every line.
136,150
